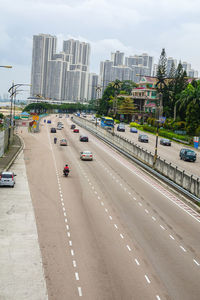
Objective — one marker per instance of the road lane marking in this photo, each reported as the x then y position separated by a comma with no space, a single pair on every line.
76,275
153,218
121,235
70,243
67,226
158,297
137,262
147,279
146,211
65,214
172,237
183,248
140,204
106,210
162,227
129,249
115,226
196,262
62,204
102,203
74,263
80,291
65,220
99,197
72,252
110,217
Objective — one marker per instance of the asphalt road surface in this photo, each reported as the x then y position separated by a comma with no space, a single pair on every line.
109,230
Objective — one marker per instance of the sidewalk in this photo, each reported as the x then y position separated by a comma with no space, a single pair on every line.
21,273
9,155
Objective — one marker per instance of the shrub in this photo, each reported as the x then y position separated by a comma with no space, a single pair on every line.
116,121
134,124
149,128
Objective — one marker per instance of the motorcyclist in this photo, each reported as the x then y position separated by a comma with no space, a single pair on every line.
55,140
66,169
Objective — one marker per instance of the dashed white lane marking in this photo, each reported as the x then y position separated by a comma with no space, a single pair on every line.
74,263
95,192
106,210
65,220
129,193
196,262
129,249
67,226
163,228
76,275
70,243
121,235
63,208
102,203
62,204
146,211
134,198
140,204
158,297
80,291
93,187
183,249
65,214
137,262
110,217
99,197
147,279
153,218
116,226
72,252
172,237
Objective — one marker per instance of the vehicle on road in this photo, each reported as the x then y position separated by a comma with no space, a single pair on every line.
86,155
133,130
187,155
165,142
63,142
121,127
76,130
66,170
60,116
84,138
73,126
143,138
59,127
53,130
107,122
7,179
49,121
55,140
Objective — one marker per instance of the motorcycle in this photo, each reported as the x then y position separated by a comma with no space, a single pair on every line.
65,173
55,140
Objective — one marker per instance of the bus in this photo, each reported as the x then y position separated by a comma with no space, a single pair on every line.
107,122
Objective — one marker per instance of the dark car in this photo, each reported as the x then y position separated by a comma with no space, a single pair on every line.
84,138
121,127
187,154
165,142
73,126
143,138
49,121
53,130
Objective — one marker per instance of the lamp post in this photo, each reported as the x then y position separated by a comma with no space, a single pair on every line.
98,93
159,115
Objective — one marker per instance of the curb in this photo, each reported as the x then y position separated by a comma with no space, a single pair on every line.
15,156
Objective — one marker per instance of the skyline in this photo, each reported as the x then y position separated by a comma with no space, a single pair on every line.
134,27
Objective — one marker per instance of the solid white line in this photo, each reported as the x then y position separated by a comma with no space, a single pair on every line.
172,237
115,226
147,279
137,262
121,235
146,211
162,227
70,243
183,249
128,247
72,252
196,262
102,203
68,234
76,275
80,291
110,217
153,218
74,263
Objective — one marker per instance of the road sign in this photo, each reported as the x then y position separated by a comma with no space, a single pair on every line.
35,118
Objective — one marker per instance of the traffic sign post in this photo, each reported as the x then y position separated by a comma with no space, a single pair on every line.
196,142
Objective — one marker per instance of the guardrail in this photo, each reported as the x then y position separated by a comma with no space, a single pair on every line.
179,179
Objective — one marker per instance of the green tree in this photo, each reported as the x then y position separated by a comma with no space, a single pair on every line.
192,117
127,108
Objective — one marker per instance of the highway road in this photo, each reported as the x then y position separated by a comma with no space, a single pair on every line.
109,230
170,154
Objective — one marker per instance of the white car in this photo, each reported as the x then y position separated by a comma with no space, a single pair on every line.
7,179
86,155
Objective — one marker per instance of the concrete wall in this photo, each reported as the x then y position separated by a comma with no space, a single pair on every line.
187,181
4,136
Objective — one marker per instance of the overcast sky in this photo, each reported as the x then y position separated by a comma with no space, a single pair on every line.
131,26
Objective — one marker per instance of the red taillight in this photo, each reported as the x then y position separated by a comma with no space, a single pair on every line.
84,155
12,177
90,155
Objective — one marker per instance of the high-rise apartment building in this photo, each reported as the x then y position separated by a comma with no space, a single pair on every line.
171,62
60,76
117,58
93,83
44,47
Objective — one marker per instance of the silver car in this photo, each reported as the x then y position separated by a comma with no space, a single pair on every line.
86,155
7,179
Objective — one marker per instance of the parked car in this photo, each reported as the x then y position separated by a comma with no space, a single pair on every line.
73,126
84,138
63,142
165,142
7,179
49,121
86,155
121,127
187,154
76,130
59,127
143,138
133,129
53,130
